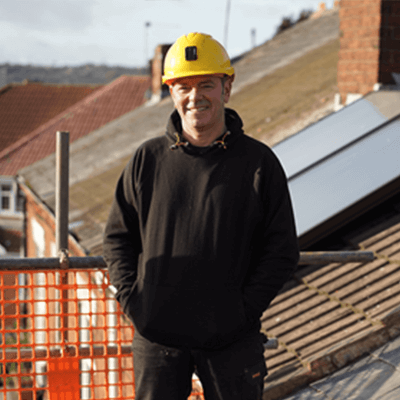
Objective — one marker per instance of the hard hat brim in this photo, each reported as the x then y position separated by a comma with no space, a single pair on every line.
168,79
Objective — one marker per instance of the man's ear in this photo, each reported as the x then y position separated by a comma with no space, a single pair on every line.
228,87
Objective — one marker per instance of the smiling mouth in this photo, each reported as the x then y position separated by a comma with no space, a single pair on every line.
197,109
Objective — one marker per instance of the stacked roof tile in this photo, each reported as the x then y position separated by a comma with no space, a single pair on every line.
24,107
327,309
95,110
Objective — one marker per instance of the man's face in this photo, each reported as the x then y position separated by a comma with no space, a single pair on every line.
200,100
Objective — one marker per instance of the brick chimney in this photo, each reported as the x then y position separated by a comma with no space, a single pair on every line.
159,90
369,46
321,10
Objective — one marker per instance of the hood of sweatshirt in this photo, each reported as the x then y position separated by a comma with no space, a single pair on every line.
234,126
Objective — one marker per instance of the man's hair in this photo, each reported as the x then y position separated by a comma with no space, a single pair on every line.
223,80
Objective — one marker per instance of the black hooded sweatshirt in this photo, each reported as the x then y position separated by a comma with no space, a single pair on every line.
200,240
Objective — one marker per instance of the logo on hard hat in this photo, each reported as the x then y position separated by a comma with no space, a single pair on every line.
191,53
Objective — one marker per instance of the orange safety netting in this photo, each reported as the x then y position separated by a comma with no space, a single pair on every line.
64,337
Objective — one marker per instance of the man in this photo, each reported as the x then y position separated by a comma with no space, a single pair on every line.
200,238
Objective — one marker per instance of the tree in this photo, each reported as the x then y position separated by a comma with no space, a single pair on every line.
287,22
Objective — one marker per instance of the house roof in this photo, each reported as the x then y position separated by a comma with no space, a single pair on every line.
344,164
330,315
24,107
285,48
105,104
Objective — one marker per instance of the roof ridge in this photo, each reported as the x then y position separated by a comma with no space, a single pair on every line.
86,100
108,87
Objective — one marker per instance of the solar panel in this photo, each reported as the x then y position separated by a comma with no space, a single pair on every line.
337,130
343,159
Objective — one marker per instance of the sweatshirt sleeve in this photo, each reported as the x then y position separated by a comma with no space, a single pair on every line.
276,252
122,243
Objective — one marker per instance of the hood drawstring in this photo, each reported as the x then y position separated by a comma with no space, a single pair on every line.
221,142
178,143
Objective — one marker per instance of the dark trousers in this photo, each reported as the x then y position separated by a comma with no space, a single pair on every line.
232,373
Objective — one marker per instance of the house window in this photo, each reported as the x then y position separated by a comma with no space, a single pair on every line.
6,196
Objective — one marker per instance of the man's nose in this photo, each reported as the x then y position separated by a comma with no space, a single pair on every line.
195,94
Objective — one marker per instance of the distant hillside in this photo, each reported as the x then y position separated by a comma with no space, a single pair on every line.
84,74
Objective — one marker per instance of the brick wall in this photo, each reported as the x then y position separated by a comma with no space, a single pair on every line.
390,41
35,210
369,44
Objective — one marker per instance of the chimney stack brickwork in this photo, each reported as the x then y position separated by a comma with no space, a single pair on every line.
390,41
369,45
157,70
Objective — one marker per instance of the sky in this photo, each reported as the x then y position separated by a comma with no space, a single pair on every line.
126,32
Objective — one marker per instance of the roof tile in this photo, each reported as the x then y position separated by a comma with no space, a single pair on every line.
24,107
100,107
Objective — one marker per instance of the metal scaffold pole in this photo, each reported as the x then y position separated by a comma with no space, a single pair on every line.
62,190
62,207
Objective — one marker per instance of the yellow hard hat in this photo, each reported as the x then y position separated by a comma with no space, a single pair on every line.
196,54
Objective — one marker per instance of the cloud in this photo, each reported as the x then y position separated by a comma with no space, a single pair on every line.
47,15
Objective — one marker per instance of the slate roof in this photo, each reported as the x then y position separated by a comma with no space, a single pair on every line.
285,48
105,104
24,107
